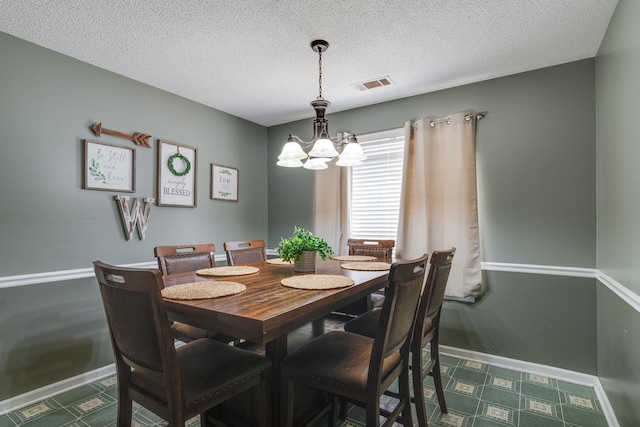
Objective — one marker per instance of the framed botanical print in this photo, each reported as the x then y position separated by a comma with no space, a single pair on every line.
224,183
177,166
108,167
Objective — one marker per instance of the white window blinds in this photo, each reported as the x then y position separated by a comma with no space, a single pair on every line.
376,183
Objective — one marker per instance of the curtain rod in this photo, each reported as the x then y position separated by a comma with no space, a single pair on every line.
467,117
447,120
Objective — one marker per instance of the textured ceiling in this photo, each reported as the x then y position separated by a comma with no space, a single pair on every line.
251,58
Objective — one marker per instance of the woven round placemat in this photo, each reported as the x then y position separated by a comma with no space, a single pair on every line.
355,258
279,261
202,290
234,270
366,266
317,281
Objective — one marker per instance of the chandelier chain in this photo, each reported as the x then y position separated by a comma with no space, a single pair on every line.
320,74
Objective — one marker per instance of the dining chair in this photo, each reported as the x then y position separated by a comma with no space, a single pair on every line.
176,384
360,368
245,252
181,259
382,250
426,331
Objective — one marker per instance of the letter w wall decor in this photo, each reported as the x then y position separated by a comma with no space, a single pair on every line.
135,216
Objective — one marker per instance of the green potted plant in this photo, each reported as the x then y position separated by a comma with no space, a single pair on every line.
301,249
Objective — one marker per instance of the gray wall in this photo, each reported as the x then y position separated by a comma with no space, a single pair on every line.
53,331
618,145
536,179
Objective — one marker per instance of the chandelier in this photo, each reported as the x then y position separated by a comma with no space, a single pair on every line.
323,147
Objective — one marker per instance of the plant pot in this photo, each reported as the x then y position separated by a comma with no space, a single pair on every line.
307,262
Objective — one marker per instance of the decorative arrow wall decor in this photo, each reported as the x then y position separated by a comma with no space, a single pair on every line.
140,139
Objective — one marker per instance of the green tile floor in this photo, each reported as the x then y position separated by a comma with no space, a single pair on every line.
477,394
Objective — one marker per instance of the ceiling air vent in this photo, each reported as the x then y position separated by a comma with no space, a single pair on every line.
372,84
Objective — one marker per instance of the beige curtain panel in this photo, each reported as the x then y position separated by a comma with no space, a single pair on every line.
332,207
438,205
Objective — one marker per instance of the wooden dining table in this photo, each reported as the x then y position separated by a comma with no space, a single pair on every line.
267,311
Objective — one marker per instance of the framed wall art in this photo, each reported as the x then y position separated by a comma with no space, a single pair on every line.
108,167
177,166
224,183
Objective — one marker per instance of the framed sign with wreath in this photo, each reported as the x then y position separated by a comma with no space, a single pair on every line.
177,165
224,183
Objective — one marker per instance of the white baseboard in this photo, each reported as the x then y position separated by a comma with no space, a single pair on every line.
612,421
545,370
42,393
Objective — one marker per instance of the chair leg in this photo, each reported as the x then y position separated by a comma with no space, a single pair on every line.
317,327
331,416
418,390
372,412
405,395
125,407
177,420
204,420
437,376
344,408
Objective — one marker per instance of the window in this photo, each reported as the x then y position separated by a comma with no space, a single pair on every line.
376,184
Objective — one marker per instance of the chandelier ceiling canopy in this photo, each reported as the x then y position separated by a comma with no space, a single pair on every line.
322,147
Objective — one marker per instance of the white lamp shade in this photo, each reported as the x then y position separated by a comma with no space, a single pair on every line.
316,164
343,162
352,151
322,159
292,151
323,148
294,163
